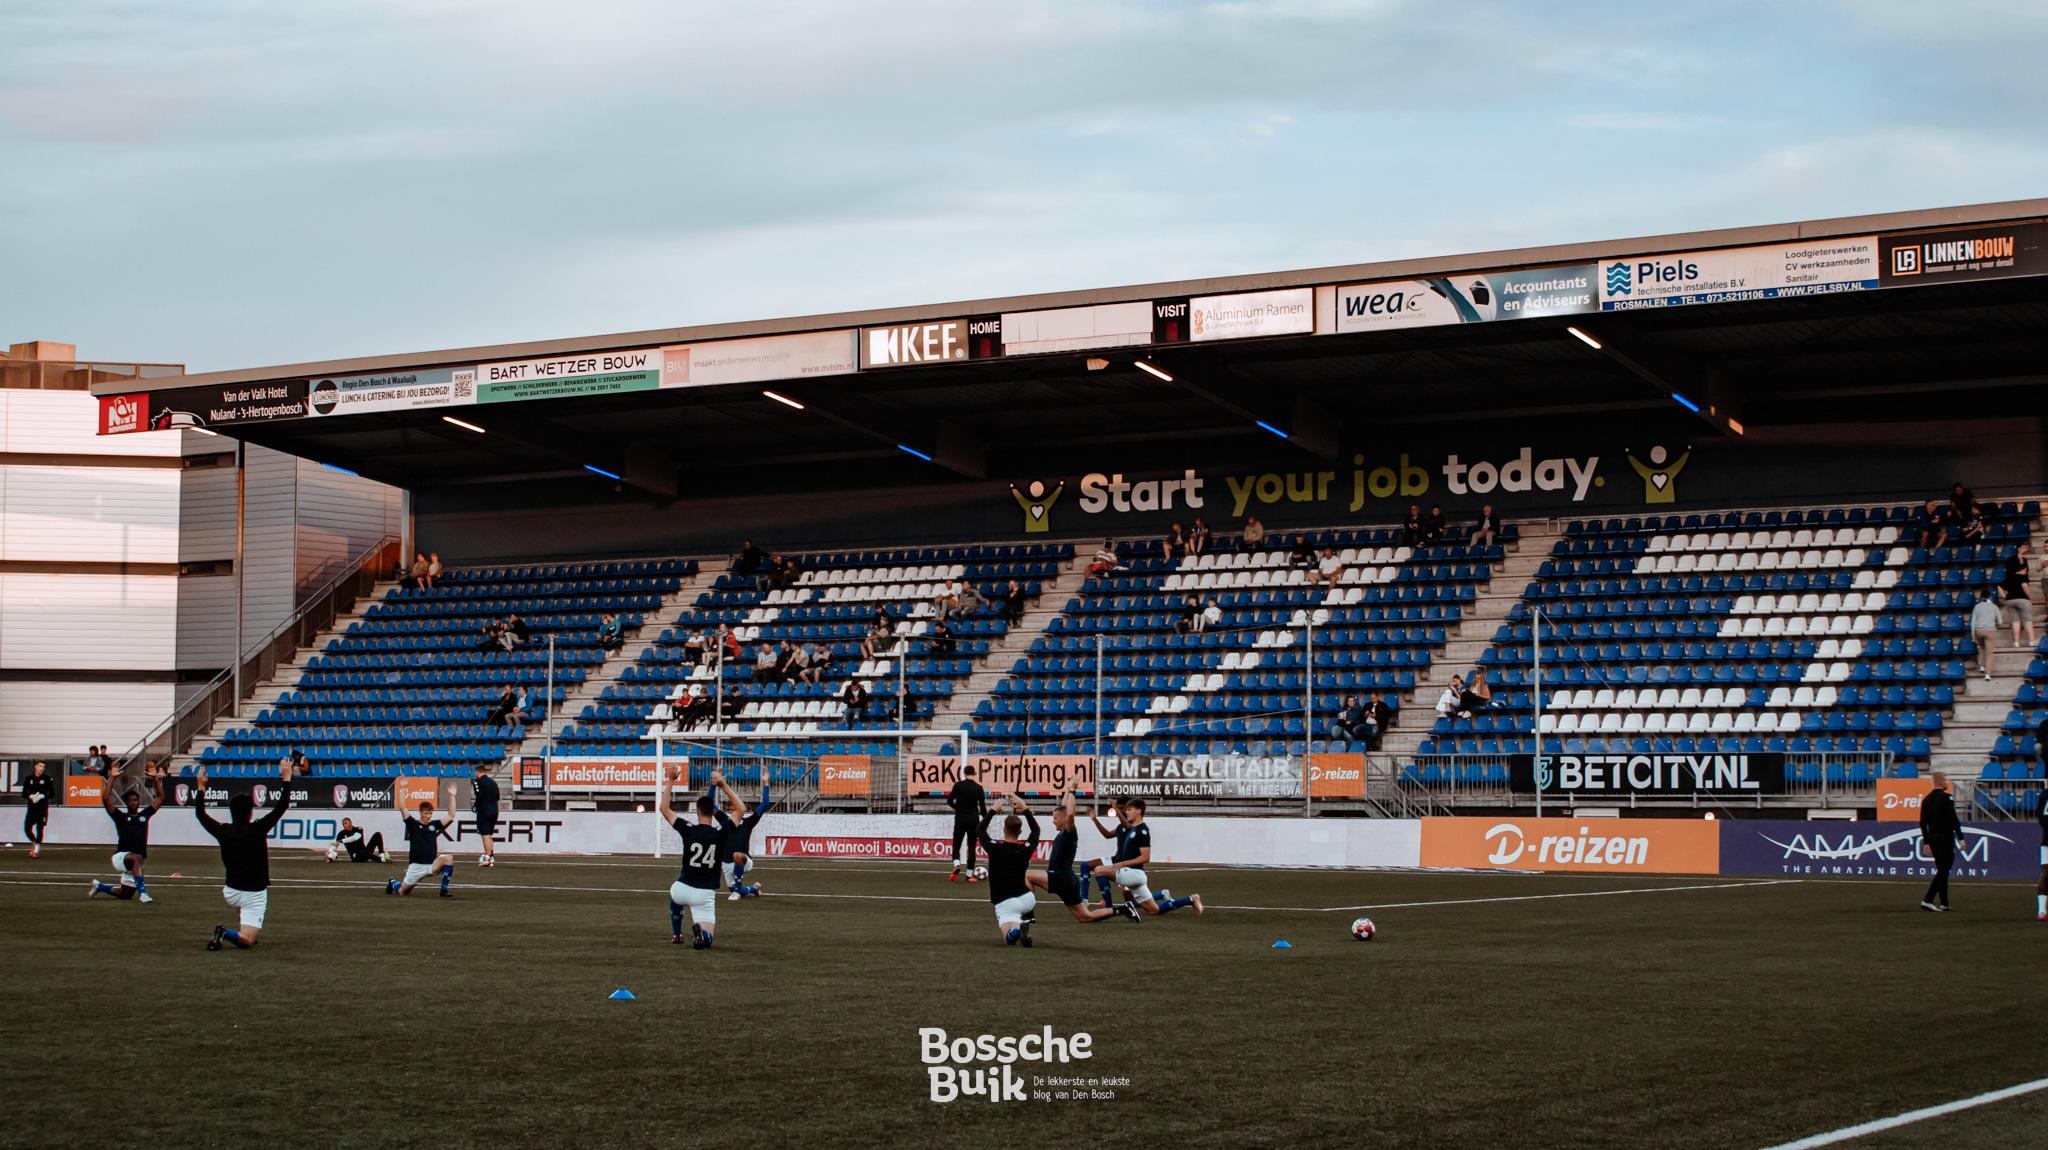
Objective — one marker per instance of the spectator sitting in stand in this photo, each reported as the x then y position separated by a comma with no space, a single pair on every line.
1487,529
968,602
1447,703
820,662
855,696
527,706
1328,571
611,635
1930,526
750,559
775,575
1198,538
433,569
1190,611
942,641
1012,603
508,702
1301,554
1411,527
1383,715
946,600
1105,560
414,579
1433,525
693,646
1973,528
1478,694
1349,725
767,667
1960,503
725,643
1176,542
1211,615
794,662
517,628
1254,534
880,637
493,632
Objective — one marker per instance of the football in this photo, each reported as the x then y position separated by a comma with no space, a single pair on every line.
1363,929
981,874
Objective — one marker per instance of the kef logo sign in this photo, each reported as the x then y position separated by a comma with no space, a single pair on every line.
121,414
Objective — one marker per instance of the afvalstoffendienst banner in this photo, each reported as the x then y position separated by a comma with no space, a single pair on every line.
1618,776
1886,849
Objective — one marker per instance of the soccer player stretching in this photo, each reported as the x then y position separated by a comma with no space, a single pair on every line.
350,838
245,856
970,813
696,889
37,790
1008,863
1093,868
1058,878
423,835
737,838
131,838
1128,867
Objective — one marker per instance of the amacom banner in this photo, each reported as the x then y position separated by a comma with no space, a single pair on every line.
1615,776
1887,849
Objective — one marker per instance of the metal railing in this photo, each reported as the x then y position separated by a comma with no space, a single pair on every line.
174,735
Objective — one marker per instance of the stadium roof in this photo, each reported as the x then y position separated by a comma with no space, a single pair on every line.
1754,345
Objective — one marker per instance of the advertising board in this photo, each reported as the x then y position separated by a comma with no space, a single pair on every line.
392,391
1618,775
1967,254
844,774
1004,774
762,360
1077,328
227,405
1883,849
1476,298
1725,275
1617,846
595,373
1252,315
601,774
1899,799
930,341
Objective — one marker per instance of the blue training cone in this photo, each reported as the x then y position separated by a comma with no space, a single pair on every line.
621,992
1285,943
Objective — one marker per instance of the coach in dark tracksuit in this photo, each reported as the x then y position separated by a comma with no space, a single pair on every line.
970,805
1943,833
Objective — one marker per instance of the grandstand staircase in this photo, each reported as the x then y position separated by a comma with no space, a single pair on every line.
265,694
637,640
990,669
1474,633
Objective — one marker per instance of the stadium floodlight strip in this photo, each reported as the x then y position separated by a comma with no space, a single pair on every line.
914,451
1148,369
1687,404
601,471
782,399
1588,340
1271,428
465,426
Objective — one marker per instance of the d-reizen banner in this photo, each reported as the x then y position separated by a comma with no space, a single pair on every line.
1731,274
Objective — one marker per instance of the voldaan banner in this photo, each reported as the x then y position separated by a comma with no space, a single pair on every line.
1599,777
1880,849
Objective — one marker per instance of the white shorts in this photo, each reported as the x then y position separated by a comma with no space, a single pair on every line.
732,877
1015,909
414,872
121,861
702,904
252,904
1133,881
2044,856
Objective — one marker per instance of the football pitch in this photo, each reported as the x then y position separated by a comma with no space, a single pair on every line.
1493,1011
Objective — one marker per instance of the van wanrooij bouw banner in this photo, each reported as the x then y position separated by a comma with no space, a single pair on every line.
1612,846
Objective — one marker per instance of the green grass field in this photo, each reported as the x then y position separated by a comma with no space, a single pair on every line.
1721,1013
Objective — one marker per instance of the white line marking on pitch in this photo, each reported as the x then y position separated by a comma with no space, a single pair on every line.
1515,897
1848,1132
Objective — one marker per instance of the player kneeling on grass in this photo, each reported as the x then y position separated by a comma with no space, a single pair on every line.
1128,868
736,834
423,835
245,855
696,889
350,838
1008,863
131,840
1058,878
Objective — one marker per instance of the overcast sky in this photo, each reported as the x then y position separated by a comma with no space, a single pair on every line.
240,184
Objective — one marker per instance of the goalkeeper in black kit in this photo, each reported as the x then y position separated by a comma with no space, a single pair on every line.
970,811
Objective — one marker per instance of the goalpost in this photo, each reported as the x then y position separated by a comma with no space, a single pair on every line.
715,745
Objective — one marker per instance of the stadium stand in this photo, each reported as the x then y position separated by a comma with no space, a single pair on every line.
405,689
1811,632
832,604
1237,687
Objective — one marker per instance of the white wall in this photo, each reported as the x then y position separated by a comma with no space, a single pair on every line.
65,718
89,514
67,423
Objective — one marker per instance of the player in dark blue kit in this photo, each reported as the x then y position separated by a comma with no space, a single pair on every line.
1009,864
131,839
1133,852
1122,832
738,829
696,889
423,835
485,794
36,790
1058,878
